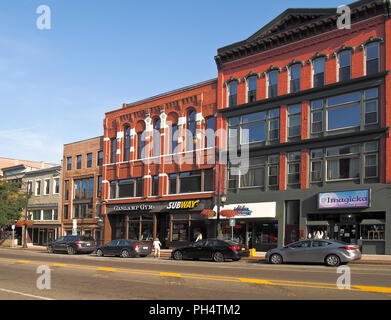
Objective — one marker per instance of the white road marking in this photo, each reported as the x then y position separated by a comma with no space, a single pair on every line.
25,294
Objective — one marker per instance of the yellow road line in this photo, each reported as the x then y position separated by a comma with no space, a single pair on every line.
209,277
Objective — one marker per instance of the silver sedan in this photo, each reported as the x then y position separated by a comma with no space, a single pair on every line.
330,252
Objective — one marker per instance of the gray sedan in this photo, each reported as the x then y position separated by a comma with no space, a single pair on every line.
330,252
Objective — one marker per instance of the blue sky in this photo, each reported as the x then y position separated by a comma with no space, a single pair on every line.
57,84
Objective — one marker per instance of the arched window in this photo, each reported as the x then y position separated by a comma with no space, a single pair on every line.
295,76
191,130
273,84
252,89
232,93
140,127
210,132
113,158
372,58
156,137
344,62
318,67
127,144
172,141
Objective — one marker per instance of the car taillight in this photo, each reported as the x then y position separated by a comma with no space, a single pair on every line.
136,247
149,246
348,248
234,248
78,243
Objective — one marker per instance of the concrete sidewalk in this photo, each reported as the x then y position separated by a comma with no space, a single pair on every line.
366,258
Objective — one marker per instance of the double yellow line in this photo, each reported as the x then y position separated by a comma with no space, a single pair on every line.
385,290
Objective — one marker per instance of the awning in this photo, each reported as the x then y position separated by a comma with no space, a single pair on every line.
318,223
250,210
372,221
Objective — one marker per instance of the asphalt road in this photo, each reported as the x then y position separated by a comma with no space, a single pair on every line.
88,277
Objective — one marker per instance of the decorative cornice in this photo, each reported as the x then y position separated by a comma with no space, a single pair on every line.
230,80
270,69
251,74
293,62
343,48
387,9
370,40
316,56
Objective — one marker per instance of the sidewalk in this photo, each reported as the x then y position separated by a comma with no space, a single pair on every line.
366,258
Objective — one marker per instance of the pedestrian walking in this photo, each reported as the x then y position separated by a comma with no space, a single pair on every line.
156,246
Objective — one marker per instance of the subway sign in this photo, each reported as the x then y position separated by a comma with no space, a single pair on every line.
185,204
344,199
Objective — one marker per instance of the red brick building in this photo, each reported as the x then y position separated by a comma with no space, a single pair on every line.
81,188
313,103
158,171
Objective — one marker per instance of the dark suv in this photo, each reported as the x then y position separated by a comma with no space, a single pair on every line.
72,244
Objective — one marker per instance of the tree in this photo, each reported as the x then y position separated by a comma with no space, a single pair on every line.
12,203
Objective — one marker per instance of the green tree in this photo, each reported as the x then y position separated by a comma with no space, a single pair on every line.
12,202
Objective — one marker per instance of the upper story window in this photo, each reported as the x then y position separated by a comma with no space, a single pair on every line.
345,63
69,163
251,89
255,175
343,162
66,191
89,160
294,162
127,144
372,53
319,72
210,132
191,131
78,162
232,93
191,181
155,186
38,188
294,121
56,186
113,153
99,189
317,116
295,78
156,137
272,84
47,187
140,145
100,158
84,188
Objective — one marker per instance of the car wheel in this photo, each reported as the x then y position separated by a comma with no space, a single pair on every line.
218,257
50,249
332,260
275,258
178,255
99,253
70,250
125,254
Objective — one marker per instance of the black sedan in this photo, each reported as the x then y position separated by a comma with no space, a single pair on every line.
211,249
124,248
72,245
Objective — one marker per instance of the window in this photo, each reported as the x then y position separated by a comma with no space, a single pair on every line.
100,158
343,111
273,169
319,74
371,109
127,144
210,132
372,55
113,157
232,93
99,189
113,189
47,187
294,161
66,187
37,215
172,183
126,188
155,186
78,162
295,73
47,215
56,185
345,62
69,163
89,160
255,176
317,116
156,137
82,211
66,212
343,162
252,89
294,121
190,181
191,131
274,124
139,187
90,187
174,138
140,145
84,188
316,165
273,84
208,180
38,188
371,159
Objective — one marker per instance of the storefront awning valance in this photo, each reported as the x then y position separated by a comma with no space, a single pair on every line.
250,210
372,221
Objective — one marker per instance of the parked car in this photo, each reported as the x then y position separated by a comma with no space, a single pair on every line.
211,249
124,248
330,252
72,245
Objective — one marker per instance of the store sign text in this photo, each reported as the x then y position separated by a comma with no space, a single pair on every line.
183,204
131,207
345,199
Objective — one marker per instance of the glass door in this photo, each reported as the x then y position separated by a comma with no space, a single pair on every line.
348,233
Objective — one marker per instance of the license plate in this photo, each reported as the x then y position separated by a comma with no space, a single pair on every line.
88,244
145,247
243,249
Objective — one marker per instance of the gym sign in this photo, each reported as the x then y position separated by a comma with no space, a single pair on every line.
188,204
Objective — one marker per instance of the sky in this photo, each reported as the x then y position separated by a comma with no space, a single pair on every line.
57,84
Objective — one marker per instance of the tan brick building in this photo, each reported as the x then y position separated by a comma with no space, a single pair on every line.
81,187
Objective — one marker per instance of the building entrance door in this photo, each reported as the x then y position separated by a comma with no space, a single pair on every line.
347,233
163,228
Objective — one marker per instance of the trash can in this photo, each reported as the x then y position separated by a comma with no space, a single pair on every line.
252,252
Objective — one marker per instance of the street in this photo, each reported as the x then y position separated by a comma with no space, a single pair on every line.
88,277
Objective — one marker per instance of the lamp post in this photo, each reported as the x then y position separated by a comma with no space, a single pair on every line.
26,215
220,199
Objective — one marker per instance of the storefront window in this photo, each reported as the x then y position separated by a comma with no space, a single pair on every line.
134,230
147,231
180,230
266,233
373,232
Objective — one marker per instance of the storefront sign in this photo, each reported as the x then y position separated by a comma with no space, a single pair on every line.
134,207
242,211
188,204
344,199
251,210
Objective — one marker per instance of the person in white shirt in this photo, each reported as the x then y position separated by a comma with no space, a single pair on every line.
199,237
156,247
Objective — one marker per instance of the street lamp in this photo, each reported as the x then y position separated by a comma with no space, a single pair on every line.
220,198
28,193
